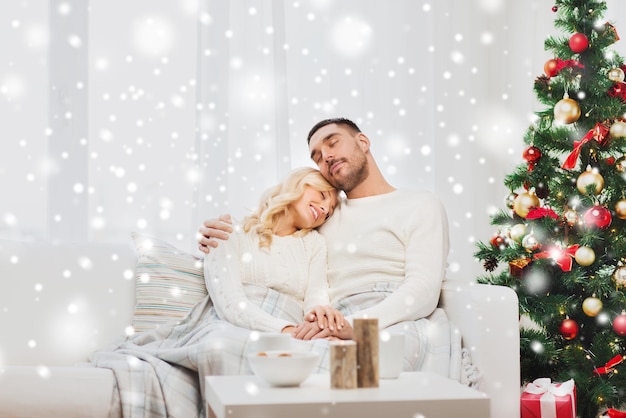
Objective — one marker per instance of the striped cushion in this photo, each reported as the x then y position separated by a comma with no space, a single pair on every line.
168,283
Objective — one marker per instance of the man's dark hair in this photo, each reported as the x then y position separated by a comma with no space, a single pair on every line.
338,121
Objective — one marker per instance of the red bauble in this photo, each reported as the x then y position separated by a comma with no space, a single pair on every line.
532,154
578,42
551,68
555,9
569,329
598,217
619,325
497,241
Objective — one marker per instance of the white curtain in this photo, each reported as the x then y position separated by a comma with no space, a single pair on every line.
154,115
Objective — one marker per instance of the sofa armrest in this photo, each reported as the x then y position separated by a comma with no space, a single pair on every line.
62,301
487,318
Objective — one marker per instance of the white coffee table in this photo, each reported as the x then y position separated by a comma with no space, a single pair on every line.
413,395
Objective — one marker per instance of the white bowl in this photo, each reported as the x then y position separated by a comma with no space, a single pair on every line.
283,367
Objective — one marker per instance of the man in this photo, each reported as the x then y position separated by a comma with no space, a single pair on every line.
387,248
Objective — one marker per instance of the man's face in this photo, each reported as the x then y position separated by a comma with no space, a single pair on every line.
336,151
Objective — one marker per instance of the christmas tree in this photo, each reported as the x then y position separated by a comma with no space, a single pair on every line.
561,241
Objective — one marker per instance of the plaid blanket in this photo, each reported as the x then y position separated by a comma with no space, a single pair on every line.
160,373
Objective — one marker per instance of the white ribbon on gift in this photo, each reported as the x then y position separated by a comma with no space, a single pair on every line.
550,391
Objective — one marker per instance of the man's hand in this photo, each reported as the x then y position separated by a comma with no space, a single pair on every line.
213,230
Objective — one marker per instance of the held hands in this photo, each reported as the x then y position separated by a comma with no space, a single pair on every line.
323,322
212,231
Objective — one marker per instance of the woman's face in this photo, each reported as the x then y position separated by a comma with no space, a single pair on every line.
313,208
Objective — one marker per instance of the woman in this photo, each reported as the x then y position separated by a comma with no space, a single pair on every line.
270,271
277,247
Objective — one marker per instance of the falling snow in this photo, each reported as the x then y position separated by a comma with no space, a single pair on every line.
188,115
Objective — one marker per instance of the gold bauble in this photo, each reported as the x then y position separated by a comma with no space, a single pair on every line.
589,177
571,217
585,256
566,110
619,276
592,306
524,202
615,74
517,232
618,129
620,209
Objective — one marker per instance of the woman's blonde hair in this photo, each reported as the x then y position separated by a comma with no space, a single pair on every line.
275,202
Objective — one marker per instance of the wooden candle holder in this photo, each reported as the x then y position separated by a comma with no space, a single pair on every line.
366,337
343,370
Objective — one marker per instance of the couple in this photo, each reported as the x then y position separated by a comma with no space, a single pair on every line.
380,253
386,248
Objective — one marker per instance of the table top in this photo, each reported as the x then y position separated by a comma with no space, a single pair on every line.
227,395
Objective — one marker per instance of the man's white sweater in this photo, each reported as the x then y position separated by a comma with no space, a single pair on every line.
398,240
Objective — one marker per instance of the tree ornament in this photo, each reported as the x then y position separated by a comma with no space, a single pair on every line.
569,329
516,267
619,324
618,129
618,90
530,242
517,232
541,190
524,202
590,177
620,164
585,256
619,276
551,68
566,110
490,264
555,9
592,306
509,199
597,217
616,75
498,241
570,216
620,208
578,42
532,154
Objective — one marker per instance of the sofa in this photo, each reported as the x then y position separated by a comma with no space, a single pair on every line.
62,301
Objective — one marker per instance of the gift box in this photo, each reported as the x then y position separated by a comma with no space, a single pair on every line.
516,267
544,399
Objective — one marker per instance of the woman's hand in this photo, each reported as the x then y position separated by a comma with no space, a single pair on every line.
326,317
324,322
213,230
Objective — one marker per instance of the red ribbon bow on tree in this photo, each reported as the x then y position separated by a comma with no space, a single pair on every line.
598,133
537,213
614,413
562,257
609,366
561,64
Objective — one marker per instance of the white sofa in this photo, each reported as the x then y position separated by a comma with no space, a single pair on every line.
62,301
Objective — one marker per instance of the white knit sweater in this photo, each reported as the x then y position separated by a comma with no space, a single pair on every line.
295,266
398,238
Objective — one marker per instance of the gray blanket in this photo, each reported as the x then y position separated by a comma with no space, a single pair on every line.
160,373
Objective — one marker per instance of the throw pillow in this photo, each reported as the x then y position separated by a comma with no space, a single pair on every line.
168,283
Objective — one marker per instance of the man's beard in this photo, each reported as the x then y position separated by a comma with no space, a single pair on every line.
358,170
